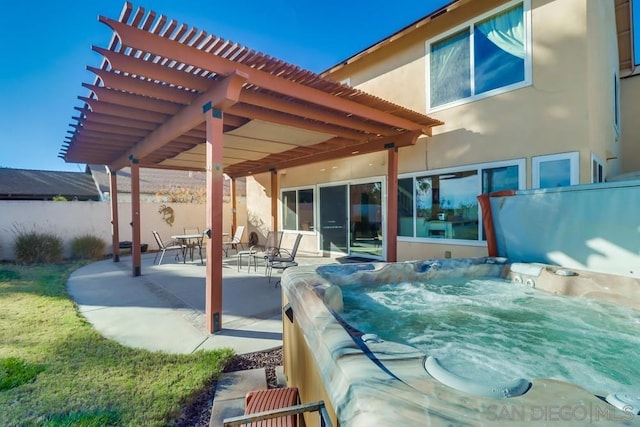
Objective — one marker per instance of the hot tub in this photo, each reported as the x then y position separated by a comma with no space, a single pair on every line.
367,379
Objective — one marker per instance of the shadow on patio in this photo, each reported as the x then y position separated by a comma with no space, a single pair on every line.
163,310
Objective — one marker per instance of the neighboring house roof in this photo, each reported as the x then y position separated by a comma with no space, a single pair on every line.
24,184
153,181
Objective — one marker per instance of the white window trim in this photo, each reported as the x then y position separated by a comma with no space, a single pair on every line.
596,159
526,6
522,176
574,173
281,209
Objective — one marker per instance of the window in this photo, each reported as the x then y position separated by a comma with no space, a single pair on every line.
443,204
480,59
500,178
597,169
406,201
447,205
556,170
297,211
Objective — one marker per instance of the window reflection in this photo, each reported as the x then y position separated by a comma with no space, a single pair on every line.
297,212
484,56
405,207
555,173
447,206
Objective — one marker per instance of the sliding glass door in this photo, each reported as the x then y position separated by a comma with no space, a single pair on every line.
333,219
351,219
365,203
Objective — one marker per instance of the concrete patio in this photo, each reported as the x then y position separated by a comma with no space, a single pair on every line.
163,310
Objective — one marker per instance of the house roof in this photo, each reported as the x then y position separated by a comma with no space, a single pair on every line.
151,180
397,35
24,184
157,78
624,29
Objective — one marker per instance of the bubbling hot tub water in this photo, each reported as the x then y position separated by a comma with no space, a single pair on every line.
492,330
362,338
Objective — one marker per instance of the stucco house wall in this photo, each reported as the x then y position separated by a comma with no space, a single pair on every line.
630,131
567,107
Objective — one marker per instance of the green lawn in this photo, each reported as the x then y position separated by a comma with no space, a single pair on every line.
55,370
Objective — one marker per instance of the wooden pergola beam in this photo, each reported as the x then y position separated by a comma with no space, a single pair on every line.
151,70
135,66
130,100
339,149
220,97
143,87
158,45
253,112
118,110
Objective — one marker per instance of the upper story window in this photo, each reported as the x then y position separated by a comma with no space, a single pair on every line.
482,58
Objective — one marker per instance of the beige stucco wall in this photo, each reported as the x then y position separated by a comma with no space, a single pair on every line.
630,109
64,219
602,66
74,219
567,107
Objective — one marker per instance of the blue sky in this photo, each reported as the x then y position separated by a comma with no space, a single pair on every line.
47,46
636,32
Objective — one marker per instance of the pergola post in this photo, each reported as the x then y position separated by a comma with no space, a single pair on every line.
234,203
115,231
135,218
274,200
215,181
392,205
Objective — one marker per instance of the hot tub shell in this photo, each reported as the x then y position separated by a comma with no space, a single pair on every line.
385,383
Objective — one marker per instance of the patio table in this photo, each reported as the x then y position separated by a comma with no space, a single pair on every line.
189,242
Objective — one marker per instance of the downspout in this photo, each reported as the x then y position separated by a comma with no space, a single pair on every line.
487,218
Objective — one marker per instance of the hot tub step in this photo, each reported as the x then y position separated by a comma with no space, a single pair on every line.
231,390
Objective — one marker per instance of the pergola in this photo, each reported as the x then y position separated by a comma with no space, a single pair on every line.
170,96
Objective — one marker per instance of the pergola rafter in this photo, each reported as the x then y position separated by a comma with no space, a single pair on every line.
170,96
156,69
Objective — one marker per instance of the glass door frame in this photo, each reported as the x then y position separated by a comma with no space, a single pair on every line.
382,179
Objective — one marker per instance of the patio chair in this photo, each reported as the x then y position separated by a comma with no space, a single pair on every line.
281,262
250,253
271,248
235,241
167,245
